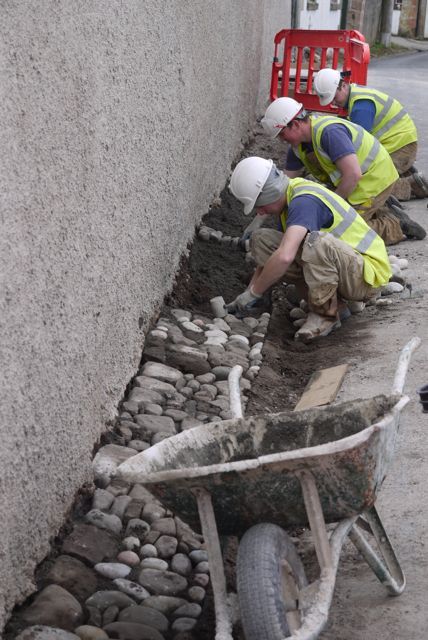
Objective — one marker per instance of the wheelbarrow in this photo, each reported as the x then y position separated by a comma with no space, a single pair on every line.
257,476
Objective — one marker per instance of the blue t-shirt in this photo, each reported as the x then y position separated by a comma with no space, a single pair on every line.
336,141
310,212
363,113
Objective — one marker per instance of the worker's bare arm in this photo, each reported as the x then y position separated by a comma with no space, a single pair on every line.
351,174
280,260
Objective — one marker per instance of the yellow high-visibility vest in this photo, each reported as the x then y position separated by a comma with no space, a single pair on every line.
350,227
377,168
392,126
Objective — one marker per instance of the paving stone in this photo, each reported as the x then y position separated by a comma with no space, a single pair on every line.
112,570
102,599
158,437
120,505
138,445
130,558
104,521
138,528
175,336
154,354
90,544
221,373
102,500
165,526
153,409
165,604
199,555
43,632
214,341
192,331
153,511
195,385
202,567
95,617
54,607
181,313
154,424
132,589
176,414
146,396
229,359
187,393
207,378
190,408
110,614
106,461
132,631
196,594
176,401
166,546
139,492
183,624
181,564
161,372
74,576
188,359
154,563
130,406
200,580
133,510
189,610
145,615
164,583
118,486
151,537
88,632
153,384
255,338
250,322
131,543
189,423
148,551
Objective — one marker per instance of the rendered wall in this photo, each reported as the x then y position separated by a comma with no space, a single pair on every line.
119,125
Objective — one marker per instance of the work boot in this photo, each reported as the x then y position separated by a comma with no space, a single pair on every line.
418,185
409,227
392,200
316,326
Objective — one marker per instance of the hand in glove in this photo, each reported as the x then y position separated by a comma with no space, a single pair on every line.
244,301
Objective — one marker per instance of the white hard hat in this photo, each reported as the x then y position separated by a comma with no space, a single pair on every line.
325,84
278,114
248,179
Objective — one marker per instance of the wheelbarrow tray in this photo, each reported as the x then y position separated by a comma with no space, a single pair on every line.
249,465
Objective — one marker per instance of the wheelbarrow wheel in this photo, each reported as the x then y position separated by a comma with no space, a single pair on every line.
269,577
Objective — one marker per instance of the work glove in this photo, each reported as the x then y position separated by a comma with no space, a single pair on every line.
243,302
244,240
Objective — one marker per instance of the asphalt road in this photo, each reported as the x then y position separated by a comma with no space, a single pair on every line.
361,609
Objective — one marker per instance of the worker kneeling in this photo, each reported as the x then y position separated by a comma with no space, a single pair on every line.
325,248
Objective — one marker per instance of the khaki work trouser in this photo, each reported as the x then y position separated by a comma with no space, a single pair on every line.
324,268
379,218
403,159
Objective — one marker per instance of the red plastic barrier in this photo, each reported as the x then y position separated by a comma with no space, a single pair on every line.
305,52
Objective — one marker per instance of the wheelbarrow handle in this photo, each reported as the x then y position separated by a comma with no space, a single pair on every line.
403,364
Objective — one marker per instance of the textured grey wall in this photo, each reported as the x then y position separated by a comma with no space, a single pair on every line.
119,122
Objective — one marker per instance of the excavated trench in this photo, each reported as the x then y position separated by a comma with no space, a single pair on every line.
216,269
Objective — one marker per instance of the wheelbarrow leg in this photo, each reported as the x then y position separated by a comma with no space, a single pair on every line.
316,520
388,572
218,580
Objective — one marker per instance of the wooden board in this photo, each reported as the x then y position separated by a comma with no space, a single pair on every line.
322,388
